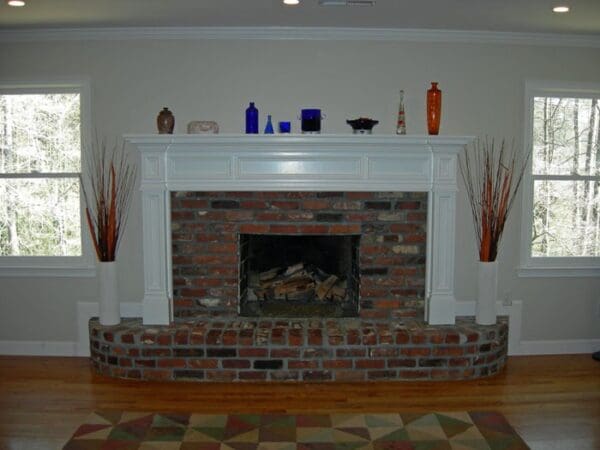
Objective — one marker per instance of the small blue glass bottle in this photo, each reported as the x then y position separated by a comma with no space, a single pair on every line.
251,119
269,127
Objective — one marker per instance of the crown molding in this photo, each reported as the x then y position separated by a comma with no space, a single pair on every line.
302,33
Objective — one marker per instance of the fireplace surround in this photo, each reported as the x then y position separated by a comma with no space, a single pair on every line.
324,163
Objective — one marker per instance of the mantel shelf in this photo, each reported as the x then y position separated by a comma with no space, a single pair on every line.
278,139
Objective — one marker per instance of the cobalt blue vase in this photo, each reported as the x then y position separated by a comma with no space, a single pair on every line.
269,127
251,119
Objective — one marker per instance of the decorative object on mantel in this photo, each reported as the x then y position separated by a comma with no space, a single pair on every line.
434,109
285,127
203,127
107,196
401,125
269,126
310,120
251,119
362,125
165,121
492,177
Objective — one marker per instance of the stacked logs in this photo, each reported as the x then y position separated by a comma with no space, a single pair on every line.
299,282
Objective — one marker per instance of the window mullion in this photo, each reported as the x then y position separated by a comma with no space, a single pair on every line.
567,177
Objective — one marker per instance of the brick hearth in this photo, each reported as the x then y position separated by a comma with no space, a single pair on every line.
244,349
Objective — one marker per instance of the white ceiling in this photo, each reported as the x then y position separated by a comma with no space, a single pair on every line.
532,16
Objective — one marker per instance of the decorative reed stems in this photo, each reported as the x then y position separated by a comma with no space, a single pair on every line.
107,198
492,178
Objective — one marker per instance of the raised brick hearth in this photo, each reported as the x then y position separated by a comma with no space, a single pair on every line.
243,349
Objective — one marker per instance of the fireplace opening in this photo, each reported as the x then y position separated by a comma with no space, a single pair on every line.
299,275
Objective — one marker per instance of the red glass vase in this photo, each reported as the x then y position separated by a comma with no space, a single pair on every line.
434,109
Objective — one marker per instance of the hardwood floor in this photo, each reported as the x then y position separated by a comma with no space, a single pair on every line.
552,401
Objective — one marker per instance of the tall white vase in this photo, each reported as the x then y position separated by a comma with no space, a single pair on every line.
108,297
487,291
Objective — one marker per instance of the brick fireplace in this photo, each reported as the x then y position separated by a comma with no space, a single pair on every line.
371,215
389,229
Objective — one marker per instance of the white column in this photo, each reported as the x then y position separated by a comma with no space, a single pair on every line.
157,302
441,302
156,235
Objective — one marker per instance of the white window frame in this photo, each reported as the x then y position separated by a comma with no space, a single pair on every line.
550,266
55,266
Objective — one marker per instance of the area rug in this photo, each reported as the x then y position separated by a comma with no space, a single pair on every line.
118,430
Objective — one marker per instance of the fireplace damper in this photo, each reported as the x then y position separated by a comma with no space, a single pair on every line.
299,275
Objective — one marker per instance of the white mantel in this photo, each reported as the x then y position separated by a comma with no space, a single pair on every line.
298,163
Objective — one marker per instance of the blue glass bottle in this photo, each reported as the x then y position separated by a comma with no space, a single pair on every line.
251,119
269,127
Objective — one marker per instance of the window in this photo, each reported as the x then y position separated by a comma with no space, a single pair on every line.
41,134
561,207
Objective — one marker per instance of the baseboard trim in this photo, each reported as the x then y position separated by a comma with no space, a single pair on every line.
80,347
38,348
559,347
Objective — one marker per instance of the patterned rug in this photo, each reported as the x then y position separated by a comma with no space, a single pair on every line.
118,430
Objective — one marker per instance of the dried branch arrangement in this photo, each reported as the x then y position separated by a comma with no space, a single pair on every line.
492,177
107,198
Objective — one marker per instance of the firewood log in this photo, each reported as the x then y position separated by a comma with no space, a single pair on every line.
293,269
269,274
304,295
295,285
323,288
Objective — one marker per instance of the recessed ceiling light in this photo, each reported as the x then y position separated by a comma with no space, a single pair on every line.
291,2
17,3
560,9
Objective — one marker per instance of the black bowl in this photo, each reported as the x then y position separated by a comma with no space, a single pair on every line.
362,123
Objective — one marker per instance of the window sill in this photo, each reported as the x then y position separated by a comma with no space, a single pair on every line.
33,270
558,272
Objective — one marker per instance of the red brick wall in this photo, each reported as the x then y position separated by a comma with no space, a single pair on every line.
206,225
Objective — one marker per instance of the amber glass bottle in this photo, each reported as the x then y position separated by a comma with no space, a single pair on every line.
434,109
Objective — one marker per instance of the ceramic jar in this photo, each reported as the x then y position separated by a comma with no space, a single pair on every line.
165,121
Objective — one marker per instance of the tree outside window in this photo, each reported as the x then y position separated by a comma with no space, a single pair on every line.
40,164
566,169
562,211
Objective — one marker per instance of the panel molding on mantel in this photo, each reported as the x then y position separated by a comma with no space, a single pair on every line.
297,162
302,33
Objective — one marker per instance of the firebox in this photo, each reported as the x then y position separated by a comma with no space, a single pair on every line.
298,275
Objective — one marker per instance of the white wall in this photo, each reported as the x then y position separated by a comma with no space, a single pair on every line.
483,88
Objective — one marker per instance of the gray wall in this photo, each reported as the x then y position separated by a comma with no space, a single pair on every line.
483,88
